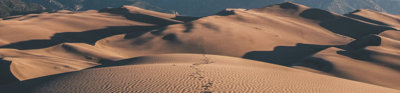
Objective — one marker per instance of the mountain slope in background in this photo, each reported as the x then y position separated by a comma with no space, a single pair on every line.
16,7
206,7
194,7
345,6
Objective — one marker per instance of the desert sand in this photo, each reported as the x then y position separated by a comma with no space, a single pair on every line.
283,48
195,73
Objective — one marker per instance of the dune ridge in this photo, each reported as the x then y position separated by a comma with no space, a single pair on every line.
380,18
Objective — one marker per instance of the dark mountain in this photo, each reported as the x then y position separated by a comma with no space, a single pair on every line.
206,7
345,6
15,7
191,7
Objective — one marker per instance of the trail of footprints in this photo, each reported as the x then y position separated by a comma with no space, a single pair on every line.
207,84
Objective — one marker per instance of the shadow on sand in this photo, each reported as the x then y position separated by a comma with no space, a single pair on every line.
88,37
317,64
357,50
92,36
343,25
364,19
5,72
138,16
286,55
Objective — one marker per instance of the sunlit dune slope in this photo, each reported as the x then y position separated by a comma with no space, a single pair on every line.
193,73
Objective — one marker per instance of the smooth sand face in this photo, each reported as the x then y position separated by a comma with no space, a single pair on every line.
195,73
102,51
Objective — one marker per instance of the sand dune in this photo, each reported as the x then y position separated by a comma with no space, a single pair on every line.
118,50
379,18
45,25
392,34
374,59
194,73
247,30
54,60
43,40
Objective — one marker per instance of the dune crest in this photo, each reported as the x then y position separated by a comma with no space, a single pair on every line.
375,17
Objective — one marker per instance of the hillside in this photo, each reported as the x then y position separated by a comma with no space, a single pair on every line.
16,7
195,7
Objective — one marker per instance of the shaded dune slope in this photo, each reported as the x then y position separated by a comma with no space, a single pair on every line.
375,17
6,75
376,56
246,30
373,59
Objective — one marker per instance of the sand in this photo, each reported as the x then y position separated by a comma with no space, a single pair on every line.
374,59
279,48
380,18
194,73
48,42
